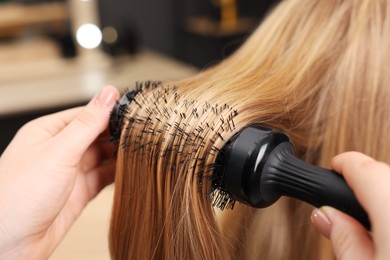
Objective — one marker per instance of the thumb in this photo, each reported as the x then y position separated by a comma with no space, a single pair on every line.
88,124
350,240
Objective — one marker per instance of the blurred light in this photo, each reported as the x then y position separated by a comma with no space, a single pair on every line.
110,35
89,36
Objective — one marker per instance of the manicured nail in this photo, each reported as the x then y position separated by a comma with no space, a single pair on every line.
321,222
107,97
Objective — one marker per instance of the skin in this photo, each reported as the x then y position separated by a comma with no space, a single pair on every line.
369,179
49,172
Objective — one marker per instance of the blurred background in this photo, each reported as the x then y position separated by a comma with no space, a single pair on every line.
56,54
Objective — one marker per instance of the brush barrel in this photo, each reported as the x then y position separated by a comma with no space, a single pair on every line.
286,175
117,114
243,158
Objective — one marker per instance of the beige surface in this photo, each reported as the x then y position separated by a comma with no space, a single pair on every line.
23,50
55,82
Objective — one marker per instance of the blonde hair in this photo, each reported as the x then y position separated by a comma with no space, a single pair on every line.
316,69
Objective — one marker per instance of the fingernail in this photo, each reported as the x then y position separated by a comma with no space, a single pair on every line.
107,97
321,221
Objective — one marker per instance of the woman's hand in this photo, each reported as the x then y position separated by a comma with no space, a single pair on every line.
53,167
370,181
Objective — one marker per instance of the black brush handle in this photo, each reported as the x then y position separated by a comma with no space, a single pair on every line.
284,174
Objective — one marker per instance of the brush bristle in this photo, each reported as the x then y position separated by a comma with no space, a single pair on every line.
120,109
174,126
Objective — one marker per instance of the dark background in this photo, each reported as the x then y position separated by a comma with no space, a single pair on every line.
159,25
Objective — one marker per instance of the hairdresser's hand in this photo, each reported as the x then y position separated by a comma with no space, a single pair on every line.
54,166
370,181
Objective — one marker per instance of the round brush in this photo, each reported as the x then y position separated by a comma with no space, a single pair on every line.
258,166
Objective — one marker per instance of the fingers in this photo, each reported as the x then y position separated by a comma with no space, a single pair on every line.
99,151
100,177
86,188
45,127
86,126
349,238
368,179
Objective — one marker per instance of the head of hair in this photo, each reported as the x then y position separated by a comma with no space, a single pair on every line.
315,69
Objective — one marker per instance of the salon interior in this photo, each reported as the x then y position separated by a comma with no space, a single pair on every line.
56,54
